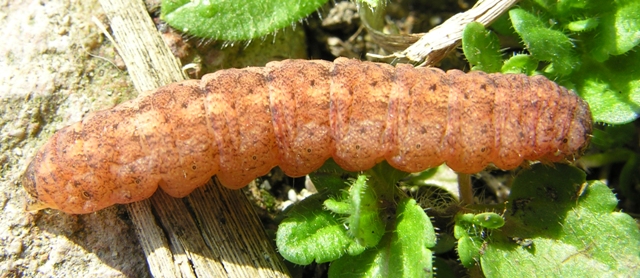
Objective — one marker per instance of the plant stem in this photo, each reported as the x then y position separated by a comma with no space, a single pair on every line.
465,189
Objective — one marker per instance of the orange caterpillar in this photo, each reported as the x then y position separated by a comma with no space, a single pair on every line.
239,123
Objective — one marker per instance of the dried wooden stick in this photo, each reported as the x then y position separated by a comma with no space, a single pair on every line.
442,39
192,250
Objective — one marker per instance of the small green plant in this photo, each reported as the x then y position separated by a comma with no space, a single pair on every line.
366,227
471,230
553,222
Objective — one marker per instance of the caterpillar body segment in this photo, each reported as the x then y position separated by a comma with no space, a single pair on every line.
240,123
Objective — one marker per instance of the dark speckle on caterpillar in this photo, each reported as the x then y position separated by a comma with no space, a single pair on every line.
239,123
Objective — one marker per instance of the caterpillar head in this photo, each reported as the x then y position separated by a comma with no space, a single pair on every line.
32,202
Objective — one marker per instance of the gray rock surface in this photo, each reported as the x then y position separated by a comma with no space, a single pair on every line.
55,66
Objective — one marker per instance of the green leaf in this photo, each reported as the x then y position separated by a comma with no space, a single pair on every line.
503,26
445,243
438,187
612,88
338,206
365,222
544,43
402,253
482,48
558,225
571,8
413,236
609,157
330,177
521,63
618,30
385,178
310,233
550,6
469,250
583,25
235,20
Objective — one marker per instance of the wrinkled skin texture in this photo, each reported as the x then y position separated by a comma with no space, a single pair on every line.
240,123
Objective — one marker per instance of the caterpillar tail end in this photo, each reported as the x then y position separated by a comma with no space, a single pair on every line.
32,202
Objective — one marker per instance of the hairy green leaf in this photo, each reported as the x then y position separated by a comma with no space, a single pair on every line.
612,88
618,29
402,253
330,177
469,250
235,20
365,222
520,64
544,43
482,48
310,233
558,225
583,25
